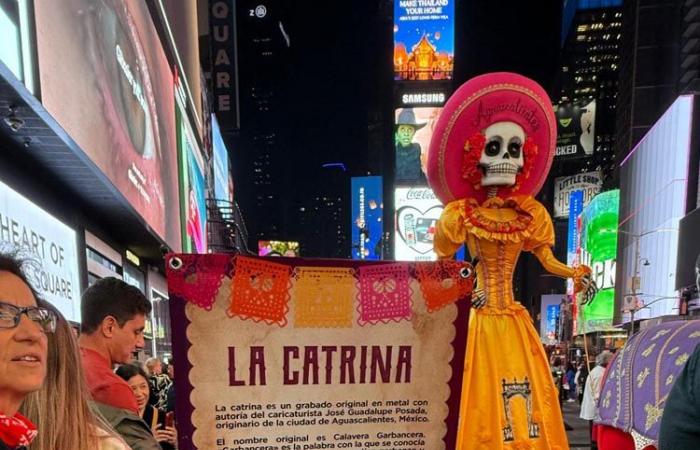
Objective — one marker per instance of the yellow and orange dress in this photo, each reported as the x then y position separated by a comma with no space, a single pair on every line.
508,396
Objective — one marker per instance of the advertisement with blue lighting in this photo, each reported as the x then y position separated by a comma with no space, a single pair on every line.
367,210
423,39
220,162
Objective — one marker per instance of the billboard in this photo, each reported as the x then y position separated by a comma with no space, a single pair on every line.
48,242
550,311
106,80
575,130
222,33
221,160
417,213
589,183
413,129
598,243
572,245
423,39
193,206
653,200
289,249
367,209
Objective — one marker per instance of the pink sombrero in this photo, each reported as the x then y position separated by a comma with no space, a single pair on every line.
457,141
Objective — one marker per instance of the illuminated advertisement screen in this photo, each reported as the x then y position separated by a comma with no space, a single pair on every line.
197,204
413,129
598,241
278,248
192,190
653,199
423,39
221,191
417,213
589,183
367,210
105,78
575,130
49,243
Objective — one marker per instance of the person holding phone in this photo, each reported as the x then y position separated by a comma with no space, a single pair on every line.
162,424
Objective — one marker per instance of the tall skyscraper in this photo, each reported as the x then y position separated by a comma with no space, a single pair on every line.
588,75
651,66
259,162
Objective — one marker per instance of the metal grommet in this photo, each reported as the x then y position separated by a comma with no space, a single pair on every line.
465,272
175,263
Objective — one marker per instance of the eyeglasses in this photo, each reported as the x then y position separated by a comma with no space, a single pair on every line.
10,316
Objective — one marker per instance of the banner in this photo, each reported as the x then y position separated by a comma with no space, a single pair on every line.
575,130
317,354
48,242
423,39
589,183
367,212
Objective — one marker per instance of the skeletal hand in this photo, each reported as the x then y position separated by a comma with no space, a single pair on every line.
478,298
589,288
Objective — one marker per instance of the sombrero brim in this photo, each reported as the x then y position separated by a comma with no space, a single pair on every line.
478,103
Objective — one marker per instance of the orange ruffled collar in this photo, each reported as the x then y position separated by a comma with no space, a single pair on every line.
506,230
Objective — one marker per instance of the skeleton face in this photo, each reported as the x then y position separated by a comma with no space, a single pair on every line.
502,157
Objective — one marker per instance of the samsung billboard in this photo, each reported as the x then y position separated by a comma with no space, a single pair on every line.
653,200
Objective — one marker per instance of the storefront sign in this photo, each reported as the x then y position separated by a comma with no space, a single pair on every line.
48,242
589,183
317,354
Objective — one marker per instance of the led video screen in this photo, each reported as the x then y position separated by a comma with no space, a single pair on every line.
423,39
278,248
598,250
105,78
367,224
221,162
413,129
417,213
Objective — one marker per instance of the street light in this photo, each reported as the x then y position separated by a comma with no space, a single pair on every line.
636,280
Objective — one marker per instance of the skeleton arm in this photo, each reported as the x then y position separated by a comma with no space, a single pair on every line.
581,274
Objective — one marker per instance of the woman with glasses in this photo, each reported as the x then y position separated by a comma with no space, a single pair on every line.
23,351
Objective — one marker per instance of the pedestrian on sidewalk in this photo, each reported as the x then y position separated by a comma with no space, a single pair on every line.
570,381
591,393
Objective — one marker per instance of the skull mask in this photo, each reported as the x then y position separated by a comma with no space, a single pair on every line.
502,158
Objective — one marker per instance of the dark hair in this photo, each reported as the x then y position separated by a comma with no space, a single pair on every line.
111,297
13,263
128,371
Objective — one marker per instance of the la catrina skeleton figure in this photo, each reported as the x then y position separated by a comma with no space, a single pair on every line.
490,154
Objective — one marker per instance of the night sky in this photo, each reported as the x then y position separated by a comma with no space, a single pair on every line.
339,82
337,48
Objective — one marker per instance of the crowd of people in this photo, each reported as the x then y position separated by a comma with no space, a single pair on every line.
61,392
